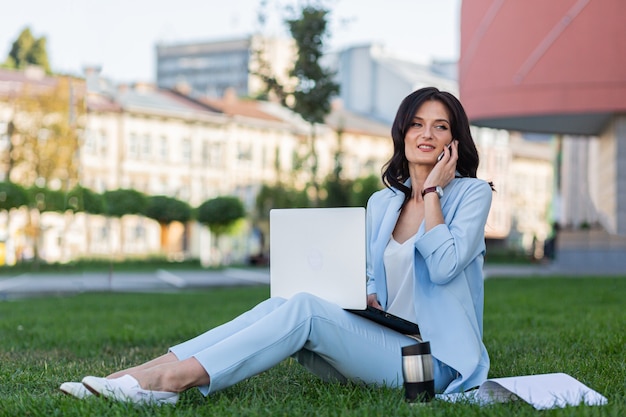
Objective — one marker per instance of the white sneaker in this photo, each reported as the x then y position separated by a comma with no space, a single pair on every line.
127,388
75,389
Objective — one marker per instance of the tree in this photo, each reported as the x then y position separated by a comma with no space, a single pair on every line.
167,210
278,196
80,199
41,199
337,189
28,50
120,202
44,199
336,192
44,132
220,214
12,196
315,86
83,199
363,188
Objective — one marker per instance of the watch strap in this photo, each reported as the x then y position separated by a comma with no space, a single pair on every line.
429,190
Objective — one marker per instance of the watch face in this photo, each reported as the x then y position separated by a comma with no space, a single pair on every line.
439,191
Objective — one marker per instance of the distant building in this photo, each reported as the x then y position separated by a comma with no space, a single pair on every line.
374,82
210,68
162,142
531,189
496,156
541,83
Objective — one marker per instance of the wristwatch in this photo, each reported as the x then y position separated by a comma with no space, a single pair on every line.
436,189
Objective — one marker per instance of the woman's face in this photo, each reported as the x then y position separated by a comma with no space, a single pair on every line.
428,134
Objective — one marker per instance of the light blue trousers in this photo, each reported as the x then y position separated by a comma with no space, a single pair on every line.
332,343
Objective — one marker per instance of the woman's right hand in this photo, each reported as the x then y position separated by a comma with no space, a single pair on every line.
372,300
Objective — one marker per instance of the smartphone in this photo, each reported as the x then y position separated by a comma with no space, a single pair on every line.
443,153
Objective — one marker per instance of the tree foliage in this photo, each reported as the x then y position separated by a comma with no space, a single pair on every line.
336,192
315,87
28,50
44,132
44,199
166,209
12,196
349,193
120,202
220,214
83,199
362,189
278,196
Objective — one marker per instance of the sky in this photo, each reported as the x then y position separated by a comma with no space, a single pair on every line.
120,35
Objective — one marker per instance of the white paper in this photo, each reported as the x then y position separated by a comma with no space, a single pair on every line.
541,391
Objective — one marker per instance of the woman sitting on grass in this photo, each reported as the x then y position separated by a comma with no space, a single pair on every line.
425,239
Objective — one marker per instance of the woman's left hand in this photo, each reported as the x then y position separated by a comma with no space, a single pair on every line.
444,171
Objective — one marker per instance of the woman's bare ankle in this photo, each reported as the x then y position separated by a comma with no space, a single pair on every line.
172,377
156,379
163,359
119,373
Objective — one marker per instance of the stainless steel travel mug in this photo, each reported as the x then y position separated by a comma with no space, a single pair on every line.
417,370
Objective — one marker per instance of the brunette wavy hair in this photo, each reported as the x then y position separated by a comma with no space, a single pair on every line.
396,170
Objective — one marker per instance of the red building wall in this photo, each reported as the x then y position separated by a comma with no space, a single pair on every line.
543,65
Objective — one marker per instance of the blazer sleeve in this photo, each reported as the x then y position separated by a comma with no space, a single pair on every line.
448,248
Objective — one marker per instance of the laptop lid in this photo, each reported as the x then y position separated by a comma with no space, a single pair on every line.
320,251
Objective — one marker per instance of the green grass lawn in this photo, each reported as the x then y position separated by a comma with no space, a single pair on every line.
532,326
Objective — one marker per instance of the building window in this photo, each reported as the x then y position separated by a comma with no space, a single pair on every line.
183,193
140,232
146,147
90,142
133,146
206,153
186,150
102,143
244,152
163,148
216,154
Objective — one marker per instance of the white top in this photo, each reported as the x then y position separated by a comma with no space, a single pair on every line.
398,261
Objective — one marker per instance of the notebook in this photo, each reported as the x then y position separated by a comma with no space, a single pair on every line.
321,251
543,391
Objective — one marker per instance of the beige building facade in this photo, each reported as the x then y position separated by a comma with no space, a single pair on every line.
163,142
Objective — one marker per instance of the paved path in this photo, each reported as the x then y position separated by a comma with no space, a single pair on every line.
555,269
28,285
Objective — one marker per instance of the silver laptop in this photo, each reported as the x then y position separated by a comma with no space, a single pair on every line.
322,251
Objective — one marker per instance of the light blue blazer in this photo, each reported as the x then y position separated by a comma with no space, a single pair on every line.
448,268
